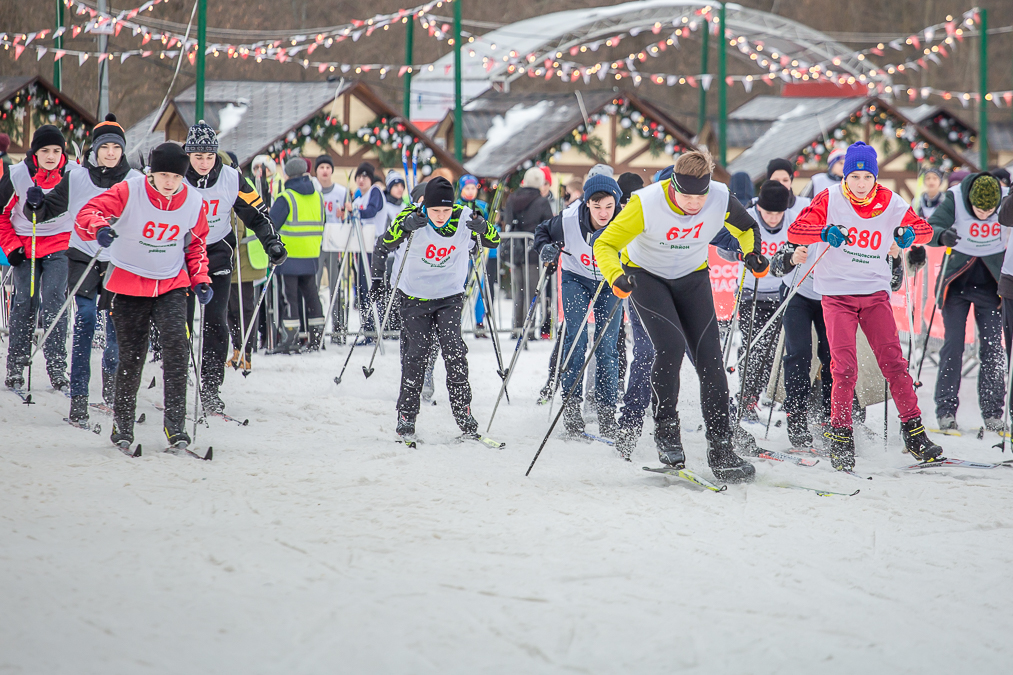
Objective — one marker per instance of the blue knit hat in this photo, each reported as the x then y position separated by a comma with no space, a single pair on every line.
602,183
861,157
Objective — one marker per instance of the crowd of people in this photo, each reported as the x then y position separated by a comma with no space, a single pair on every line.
144,255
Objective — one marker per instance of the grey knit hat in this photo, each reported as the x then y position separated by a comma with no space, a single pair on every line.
295,167
201,138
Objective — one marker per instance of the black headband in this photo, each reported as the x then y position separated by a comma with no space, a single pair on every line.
691,185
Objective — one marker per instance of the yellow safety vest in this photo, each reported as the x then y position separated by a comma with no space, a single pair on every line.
303,230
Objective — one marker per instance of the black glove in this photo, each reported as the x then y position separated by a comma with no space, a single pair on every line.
276,253
916,258
378,288
477,223
17,256
34,197
948,238
414,220
549,257
105,236
623,286
204,293
756,263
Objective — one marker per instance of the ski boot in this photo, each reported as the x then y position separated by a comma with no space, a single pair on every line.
480,331
211,401
178,440
233,361
316,336
744,442
109,387
465,420
59,380
406,429
725,464
573,418
750,413
246,364
917,442
840,442
626,441
607,426
121,439
14,380
668,438
994,423
947,422
798,431
78,410
290,338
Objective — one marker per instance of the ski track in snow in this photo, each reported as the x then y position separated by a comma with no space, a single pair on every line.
315,543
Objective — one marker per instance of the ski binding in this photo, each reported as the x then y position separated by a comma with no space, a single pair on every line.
97,429
484,440
687,475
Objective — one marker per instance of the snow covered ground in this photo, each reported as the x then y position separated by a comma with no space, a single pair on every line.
313,543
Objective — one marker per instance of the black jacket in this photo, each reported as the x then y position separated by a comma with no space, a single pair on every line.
249,207
524,210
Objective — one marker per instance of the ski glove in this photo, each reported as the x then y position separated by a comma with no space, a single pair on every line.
904,236
477,223
916,258
835,235
276,253
34,197
757,263
414,221
948,238
377,288
105,236
204,293
623,286
549,257
17,256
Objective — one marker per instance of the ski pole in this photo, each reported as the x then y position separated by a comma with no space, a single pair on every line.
910,312
932,318
256,310
521,341
63,308
727,348
578,380
555,361
196,373
777,376
573,345
31,297
357,224
749,345
487,294
355,341
1006,419
780,309
367,371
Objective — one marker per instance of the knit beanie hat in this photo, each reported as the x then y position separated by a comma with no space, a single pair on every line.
5,142
46,135
548,175
201,138
419,191
265,161
465,180
533,178
295,167
108,131
1002,175
935,170
779,164
985,192
861,157
439,192
323,159
629,183
836,155
169,158
393,178
602,183
365,169
665,173
774,197
601,170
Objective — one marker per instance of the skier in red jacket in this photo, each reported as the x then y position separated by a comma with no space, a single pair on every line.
857,220
157,254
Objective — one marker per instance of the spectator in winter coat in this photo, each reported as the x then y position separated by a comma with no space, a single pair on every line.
929,201
524,210
153,268
833,175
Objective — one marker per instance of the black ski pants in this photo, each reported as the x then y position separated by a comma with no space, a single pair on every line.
133,317
216,332
237,328
678,315
761,356
300,288
421,321
801,316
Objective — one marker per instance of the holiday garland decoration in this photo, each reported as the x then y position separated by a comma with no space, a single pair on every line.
633,123
44,108
324,130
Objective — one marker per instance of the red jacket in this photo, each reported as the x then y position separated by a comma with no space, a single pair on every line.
9,240
808,227
110,204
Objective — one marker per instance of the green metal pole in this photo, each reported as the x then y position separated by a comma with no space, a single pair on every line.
983,85
202,27
702,117
408,48
722,90
58,44
458,108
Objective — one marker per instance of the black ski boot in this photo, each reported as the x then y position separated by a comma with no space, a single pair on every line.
798,431
668,438
626,441
607,426
744,442
917,442
573,418
211,400
316,337
59,380
726,465
178,439
78,410
466,422
109,386
14,380
290,340
840,442
406,427
120,438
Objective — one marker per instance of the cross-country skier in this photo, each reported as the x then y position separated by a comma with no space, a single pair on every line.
157,252
833,175
106,165
431,296
967,222
858,219
663,236
224,189
46,242
571,233
932,198
467,187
